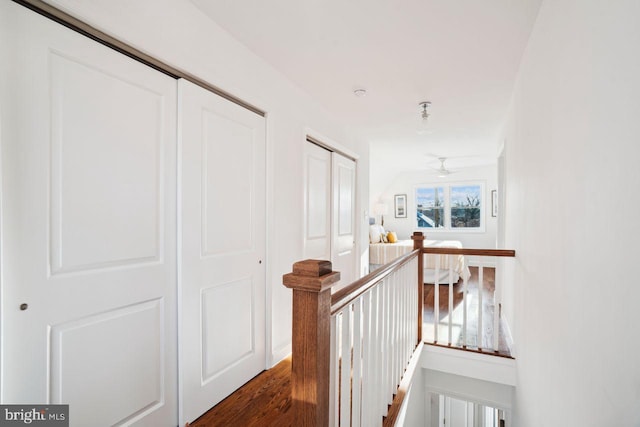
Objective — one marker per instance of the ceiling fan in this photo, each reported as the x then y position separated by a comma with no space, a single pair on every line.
442,171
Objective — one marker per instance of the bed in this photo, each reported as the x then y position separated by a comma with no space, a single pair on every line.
383,253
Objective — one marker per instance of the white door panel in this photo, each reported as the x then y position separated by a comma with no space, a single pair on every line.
317,202
344,257
136,367
88,155
98,177
223,247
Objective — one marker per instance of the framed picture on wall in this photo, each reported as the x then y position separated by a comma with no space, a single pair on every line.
401,205
494,203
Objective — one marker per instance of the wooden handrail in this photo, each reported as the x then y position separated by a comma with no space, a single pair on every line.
346,295
478,252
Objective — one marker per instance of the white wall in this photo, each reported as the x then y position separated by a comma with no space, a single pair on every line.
406,182
572,202
176,32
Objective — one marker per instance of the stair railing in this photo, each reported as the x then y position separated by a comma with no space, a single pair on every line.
351,348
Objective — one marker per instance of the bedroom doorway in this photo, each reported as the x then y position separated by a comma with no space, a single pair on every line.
330,209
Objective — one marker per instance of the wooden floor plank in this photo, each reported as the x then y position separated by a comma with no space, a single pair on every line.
263,401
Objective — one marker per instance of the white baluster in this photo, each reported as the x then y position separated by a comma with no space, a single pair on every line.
380,402
480,280
450,260
406,332
497,296
421,303
407,313
356,393
392,330
465,300
379,313
334,380
388,345
412,288
396,326
367,359
393,310
400,328
345,376
436,300
398,323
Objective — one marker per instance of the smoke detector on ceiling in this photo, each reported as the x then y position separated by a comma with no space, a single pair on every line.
360,92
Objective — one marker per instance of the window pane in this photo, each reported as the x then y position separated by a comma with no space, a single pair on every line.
430,207
466,203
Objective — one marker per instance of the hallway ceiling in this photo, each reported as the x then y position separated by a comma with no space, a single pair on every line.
461,55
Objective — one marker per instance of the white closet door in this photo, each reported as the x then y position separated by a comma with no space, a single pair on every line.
344,256
88,149
223,248
317,202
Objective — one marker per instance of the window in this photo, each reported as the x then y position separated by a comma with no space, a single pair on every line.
430,207
465,206
450,207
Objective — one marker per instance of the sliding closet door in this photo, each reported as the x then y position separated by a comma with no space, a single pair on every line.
330,210
88,154
344,256
317,202
222,276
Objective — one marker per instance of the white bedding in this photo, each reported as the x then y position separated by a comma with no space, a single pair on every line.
383,253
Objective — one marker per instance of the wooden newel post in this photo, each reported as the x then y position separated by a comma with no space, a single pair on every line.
311,282
418,243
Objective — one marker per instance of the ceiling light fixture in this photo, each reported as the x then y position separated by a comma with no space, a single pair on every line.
425,114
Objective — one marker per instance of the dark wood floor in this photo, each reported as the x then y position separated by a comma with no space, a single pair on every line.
266,399
474,341
263,401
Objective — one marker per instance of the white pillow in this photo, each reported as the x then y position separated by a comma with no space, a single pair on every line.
375,233
374,236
